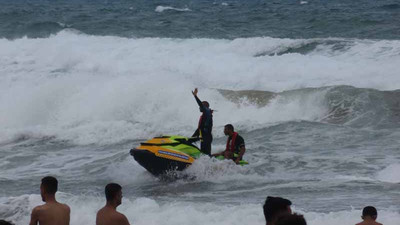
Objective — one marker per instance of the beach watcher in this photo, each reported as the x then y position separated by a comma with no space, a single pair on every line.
291,219
204,128
275,207
3,222
108,215
235,147
369,215
52,212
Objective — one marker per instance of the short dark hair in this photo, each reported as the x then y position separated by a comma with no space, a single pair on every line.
230,127
292,219
369,211
111,190
206,104
3,222
50,184
275,205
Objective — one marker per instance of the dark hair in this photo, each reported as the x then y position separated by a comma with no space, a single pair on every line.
369,211
111,190
275,205
3,222
292,219
230,127
206,104
50,184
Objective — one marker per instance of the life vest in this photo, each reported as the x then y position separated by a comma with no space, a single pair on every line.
209,119
200,120
230,143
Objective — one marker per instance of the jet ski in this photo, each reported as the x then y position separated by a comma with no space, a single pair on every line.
162,154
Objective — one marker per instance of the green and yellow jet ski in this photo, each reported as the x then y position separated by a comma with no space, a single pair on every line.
161,154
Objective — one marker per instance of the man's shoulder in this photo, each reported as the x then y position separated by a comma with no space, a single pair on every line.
102,211
121,218
46,207
111,213
368,223
239,139
58,205
65,207
120,215
38,208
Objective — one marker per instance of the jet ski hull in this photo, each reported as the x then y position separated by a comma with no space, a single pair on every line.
157,165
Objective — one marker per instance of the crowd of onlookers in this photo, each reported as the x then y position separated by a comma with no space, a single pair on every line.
277,210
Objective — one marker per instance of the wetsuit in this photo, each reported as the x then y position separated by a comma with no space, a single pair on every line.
204,128
235,148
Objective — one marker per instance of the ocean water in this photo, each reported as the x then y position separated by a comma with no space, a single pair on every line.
312,86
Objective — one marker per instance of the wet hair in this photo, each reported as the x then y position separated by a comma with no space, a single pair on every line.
230,127
370,211
111,190
3,222
206,104
292,219
50,184
273,206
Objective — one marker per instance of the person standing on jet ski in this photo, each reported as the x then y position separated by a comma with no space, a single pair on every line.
204,128
235,147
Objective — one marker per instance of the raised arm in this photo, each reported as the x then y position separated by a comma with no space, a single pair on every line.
198,100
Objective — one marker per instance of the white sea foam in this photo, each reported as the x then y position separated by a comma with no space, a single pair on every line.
148,211
160,9
92,89
390,174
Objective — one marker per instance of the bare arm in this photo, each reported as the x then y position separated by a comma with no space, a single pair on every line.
34,216
241,153
69,213
218,154
123,220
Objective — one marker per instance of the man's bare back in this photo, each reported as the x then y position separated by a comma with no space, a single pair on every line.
109,216
50,214
370,222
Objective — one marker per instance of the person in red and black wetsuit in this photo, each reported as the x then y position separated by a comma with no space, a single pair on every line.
204,128
235,147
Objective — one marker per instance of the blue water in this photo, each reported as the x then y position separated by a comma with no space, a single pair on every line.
204,19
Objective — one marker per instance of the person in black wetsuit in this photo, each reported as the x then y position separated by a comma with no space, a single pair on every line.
235,147
204,128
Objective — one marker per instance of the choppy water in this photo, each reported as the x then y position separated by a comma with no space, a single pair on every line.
320,114
203,18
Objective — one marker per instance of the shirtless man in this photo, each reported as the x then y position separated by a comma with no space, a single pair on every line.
52,212
369,216
108,215
275,207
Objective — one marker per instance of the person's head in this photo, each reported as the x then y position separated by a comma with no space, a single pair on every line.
48,187
228,129
205,104
291,219
3,222
369,212
275,207
113,193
